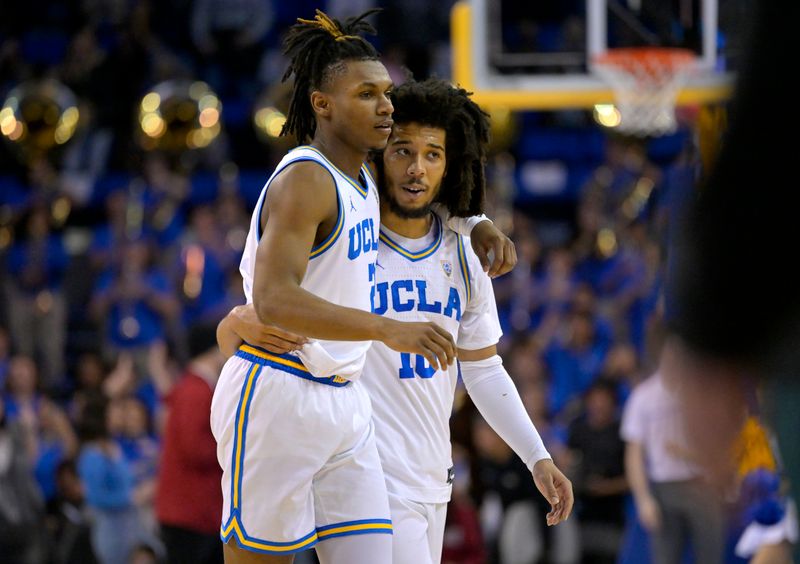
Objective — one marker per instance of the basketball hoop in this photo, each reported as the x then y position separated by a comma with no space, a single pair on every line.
646,81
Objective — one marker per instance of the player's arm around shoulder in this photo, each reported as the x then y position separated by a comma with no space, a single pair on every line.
495,251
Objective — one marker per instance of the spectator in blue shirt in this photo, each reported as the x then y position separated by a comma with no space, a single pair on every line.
108,481
134,303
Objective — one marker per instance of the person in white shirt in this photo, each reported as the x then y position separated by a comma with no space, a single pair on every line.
426,272
674,501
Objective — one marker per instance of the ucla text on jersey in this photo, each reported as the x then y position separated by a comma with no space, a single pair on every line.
341,268
411,295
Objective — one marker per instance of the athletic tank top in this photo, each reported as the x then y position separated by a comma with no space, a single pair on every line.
341,268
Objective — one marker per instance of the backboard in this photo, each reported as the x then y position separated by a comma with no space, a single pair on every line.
538,55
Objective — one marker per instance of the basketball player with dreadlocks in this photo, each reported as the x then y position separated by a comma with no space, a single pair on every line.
428,273
294,432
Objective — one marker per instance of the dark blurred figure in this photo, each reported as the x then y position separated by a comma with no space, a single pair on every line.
188,498
229,36
414,33
5,354
735,305
21,501
599,473
70,526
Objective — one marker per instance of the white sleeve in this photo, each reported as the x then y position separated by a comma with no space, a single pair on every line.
496,397
480,325
461,225
633,424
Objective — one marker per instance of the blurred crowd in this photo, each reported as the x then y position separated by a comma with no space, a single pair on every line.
118,262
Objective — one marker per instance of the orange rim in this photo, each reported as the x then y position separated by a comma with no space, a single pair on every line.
650,59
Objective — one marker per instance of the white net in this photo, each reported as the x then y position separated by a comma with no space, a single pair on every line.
646,82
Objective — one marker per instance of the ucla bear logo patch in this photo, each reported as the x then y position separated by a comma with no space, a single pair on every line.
447,267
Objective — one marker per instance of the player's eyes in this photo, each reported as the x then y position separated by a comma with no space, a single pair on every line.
366,94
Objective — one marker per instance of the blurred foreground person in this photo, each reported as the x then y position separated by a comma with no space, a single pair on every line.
735,310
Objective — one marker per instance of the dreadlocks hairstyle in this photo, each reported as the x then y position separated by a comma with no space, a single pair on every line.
315,49
436,103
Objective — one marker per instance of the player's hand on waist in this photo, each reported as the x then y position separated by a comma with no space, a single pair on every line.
423,338
274,339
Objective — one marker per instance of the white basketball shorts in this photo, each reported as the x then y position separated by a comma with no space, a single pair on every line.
418,531
298,454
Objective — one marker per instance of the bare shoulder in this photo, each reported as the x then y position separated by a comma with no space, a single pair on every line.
304,188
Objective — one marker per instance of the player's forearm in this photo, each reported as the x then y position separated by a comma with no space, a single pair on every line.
497,399
299,311
635,471
228,339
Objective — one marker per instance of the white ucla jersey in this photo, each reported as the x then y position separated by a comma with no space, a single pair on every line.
340,269
412,403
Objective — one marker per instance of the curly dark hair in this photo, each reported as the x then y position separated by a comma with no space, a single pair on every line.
315,49
437,103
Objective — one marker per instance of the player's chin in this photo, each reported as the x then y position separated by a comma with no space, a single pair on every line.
379,144
380,139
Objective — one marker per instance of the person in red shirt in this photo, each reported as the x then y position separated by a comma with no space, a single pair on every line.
189,499
463,538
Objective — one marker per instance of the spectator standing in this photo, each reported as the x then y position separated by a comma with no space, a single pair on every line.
51,438
141,449
134,302
599,473
190,522
36,302
69,523
108,481
674,502
21,502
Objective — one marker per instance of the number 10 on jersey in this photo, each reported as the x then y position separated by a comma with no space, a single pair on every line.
421,368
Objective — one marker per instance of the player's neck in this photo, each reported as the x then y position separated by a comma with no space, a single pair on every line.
346,159
413,228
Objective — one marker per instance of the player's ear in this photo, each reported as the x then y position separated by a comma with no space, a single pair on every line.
320,103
